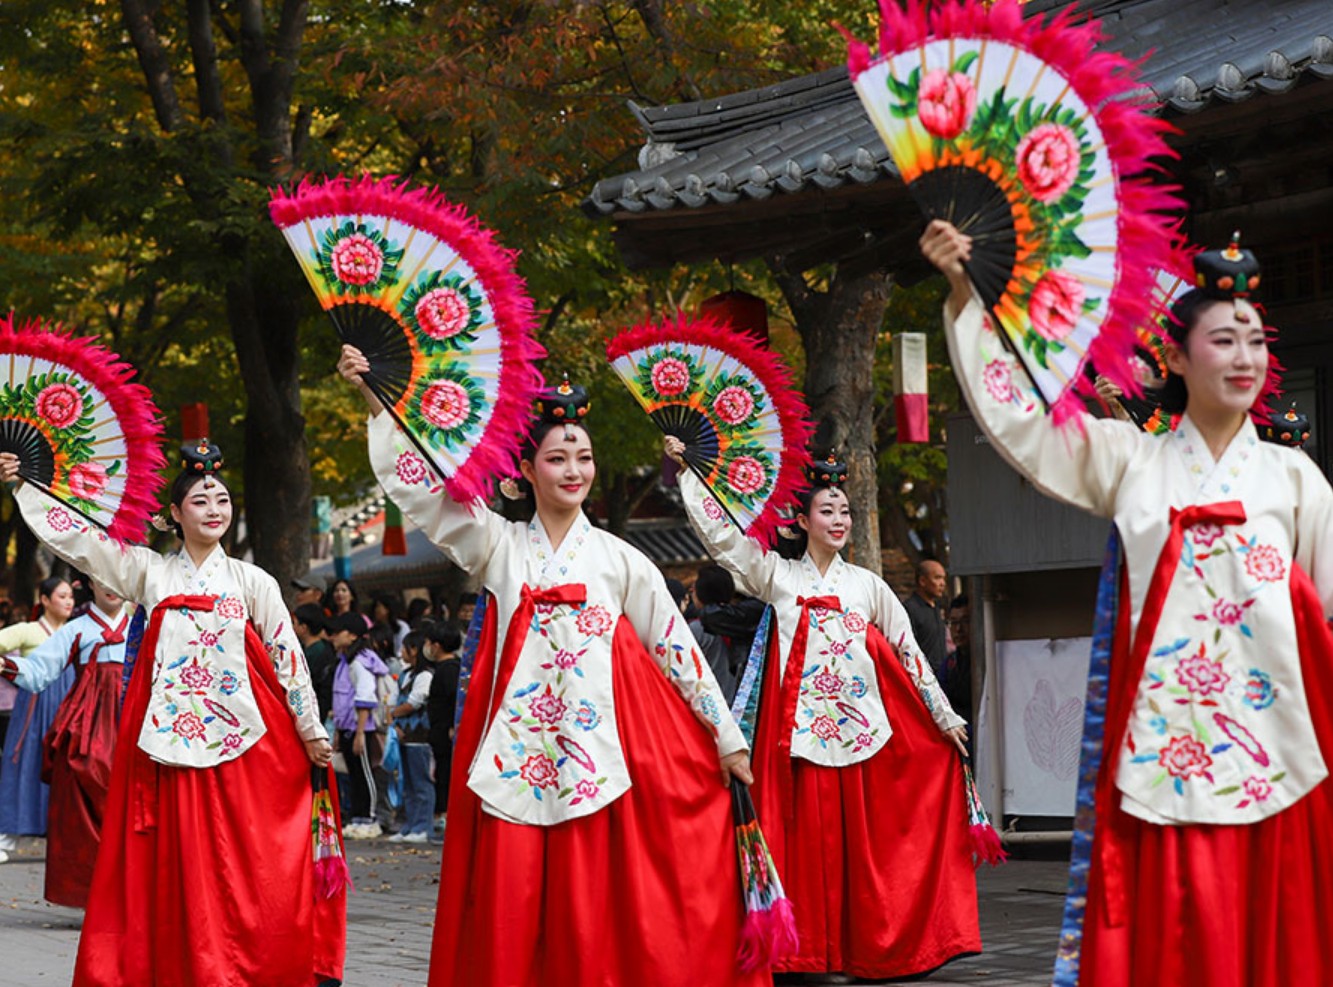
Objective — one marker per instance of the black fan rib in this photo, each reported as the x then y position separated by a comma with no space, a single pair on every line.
382,339
975,204
37,461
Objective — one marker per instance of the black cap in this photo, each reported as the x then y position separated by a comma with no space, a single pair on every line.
565,403
351,621
312,615
201,457
301,584
828,472
1227,274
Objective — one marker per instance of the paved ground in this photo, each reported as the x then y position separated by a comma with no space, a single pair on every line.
389,922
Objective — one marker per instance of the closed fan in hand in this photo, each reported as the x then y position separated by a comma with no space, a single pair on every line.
1027,138
435,305
731,402
81,430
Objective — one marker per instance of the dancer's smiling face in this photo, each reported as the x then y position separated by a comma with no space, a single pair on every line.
561,469
1223,359
203,512
828,522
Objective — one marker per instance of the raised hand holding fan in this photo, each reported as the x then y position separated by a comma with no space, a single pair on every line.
1028,139
81,430
435,305
731,402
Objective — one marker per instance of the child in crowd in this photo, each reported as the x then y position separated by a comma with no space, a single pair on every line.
409,717
355,709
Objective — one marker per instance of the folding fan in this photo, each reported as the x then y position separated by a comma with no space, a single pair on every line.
732,402
435,304
1028,139
82,432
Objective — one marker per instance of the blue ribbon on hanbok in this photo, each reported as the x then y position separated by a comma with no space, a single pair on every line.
468,657
133,638
745,707
1090,761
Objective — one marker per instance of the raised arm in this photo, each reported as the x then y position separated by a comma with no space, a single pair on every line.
123,569
749,563
273,623
44,664
1082,463
666,636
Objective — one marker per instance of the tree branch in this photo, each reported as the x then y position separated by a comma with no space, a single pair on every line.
204,54
154,63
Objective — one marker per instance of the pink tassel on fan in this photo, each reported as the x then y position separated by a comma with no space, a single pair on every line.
332,876
768,936
986,847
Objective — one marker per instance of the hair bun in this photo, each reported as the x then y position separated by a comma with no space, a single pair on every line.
828,472
564,403
201,457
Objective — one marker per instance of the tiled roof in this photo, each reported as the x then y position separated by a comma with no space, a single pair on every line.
811,133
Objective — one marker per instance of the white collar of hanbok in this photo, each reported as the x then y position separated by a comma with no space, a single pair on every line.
553,561
1215,479
204,574
828,582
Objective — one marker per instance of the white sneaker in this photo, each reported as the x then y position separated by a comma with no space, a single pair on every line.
397,837
412,837
4,856
372,831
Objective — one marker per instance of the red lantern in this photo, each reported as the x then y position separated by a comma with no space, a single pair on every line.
194,422
742,311
910,401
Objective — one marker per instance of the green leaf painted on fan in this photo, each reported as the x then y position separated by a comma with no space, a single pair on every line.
113,469
965,61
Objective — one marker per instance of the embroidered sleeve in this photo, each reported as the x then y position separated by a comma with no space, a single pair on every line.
121,568
752,567
891,618
274,625
467,533
663,630
1081,463
43,664
1314,528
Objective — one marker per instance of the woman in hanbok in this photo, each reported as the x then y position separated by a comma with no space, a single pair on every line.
590,837
24,797
1211,859
858,780
205,876
82,740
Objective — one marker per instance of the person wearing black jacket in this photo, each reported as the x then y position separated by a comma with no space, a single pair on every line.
725,626
443,641
310,624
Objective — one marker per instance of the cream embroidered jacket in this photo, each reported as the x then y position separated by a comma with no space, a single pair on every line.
840,715
201,709
1220,730
552,751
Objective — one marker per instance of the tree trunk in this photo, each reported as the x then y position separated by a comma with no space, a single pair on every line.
838,329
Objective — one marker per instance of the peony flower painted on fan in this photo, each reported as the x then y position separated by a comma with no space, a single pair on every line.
60,404
446,404
946,102
357,260
87,480
1056,304
734,405
670,377
1048,159
746,475
443,313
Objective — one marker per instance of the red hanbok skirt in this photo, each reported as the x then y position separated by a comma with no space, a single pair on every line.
643,893
877,856
1218,906
77,765
206,875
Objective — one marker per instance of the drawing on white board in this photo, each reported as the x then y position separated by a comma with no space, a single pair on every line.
1053,733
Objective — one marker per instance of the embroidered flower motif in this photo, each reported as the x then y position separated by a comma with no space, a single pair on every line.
1184,757
586,716
231,742
87,480
222,713
1056,304
708,706
854,622
1205,534
828,683
547,708
1258,788
746,475
229,683
1260,693
586,789
59,404
230,608
594,621
446,404
540,771
189,726
1227,614
196,676
1048,159
443,313
946,102
1200,675
410,467
999,381
858,687
863,740
733,404
670,376
713,510
837,647
59,520
209,639
1264,562
357,259
825,728
565,659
